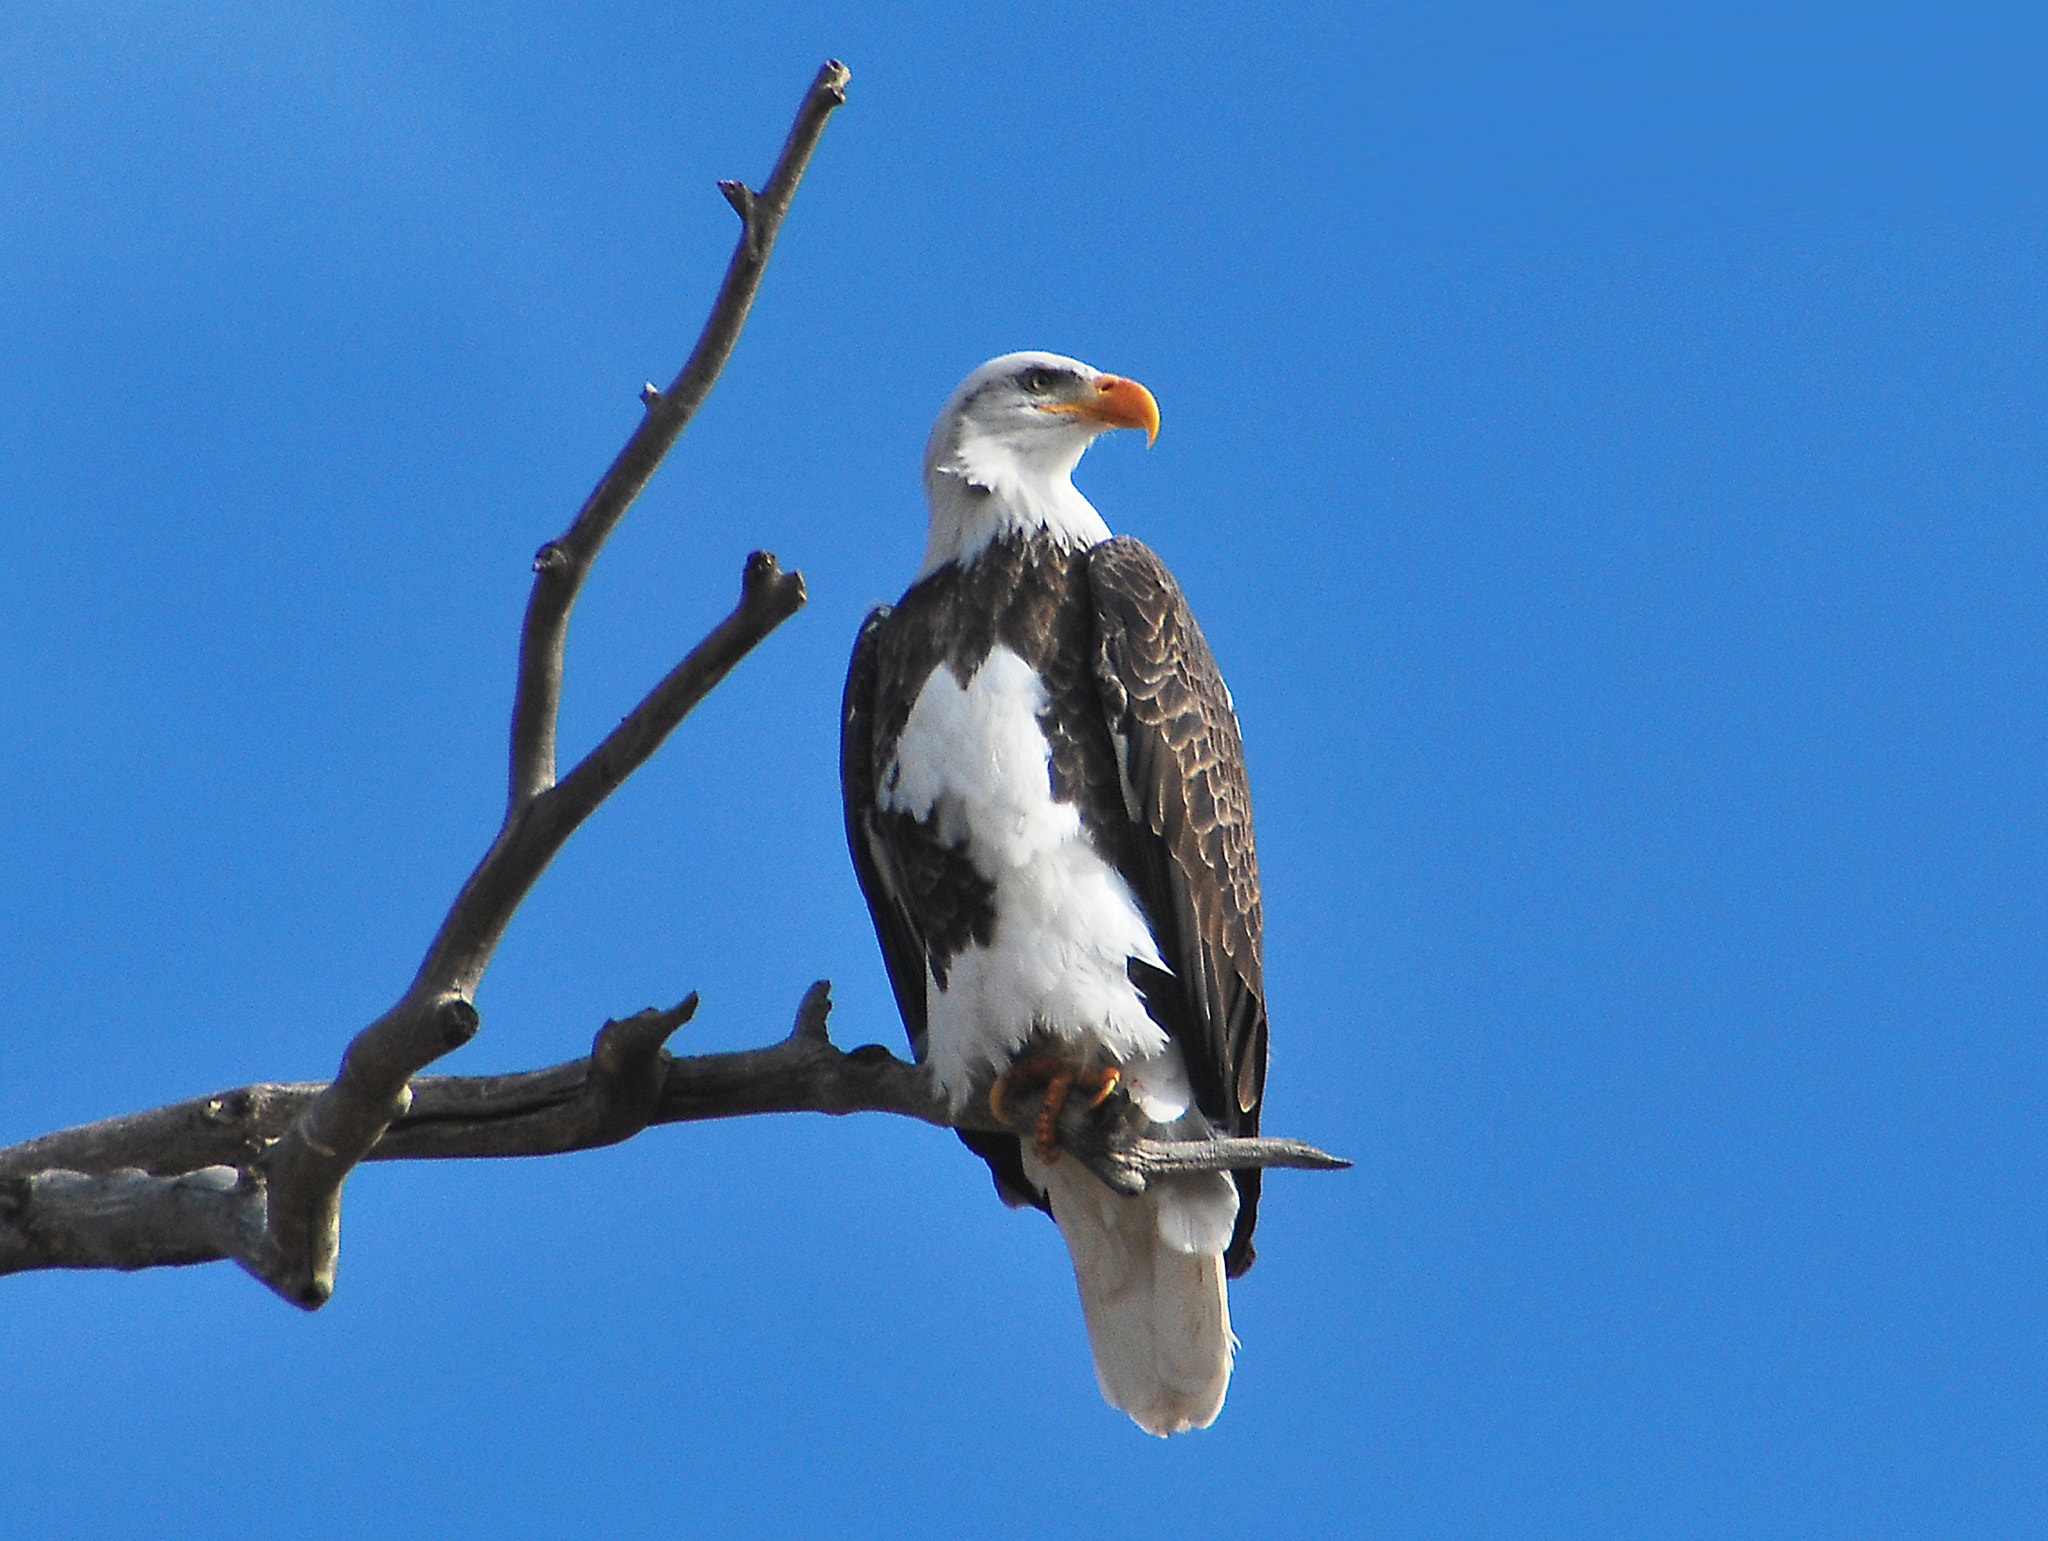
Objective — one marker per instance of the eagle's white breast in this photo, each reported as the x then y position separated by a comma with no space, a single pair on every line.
976,762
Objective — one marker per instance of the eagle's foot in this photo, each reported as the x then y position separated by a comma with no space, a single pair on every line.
1109,1076
1059,1077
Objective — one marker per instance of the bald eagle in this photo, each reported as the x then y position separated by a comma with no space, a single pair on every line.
1046,804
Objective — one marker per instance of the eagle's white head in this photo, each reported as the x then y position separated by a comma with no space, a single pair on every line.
1001,456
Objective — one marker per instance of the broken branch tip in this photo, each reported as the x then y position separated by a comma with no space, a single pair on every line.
457,1020
813,1014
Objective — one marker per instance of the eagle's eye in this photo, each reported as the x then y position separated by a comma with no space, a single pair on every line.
1039,382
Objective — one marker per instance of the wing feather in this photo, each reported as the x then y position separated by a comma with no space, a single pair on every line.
903,949
1192,861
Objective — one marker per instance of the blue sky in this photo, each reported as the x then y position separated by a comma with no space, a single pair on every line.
1605,447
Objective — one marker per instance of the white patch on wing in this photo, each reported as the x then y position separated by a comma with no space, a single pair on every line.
976,763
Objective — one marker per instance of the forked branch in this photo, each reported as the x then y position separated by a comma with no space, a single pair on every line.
302,1170
562,564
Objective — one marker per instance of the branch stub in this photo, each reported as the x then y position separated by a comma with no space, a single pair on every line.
458,1021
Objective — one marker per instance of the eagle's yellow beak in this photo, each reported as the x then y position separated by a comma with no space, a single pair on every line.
1114,402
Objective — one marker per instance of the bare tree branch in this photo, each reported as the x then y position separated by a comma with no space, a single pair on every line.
562,565
128,1219
104,1205
304,1169
606,1097
626,1083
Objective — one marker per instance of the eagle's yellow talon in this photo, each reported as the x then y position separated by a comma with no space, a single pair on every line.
1058,1078
1045,1138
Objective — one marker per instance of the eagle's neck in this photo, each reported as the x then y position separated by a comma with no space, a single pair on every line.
983,488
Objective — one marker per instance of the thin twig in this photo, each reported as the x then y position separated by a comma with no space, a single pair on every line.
562,564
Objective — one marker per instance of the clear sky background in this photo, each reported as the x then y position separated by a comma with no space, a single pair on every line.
1605,447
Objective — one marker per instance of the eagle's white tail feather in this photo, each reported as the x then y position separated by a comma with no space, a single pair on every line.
1151,1275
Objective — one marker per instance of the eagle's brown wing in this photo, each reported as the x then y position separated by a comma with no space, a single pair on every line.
1191,860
